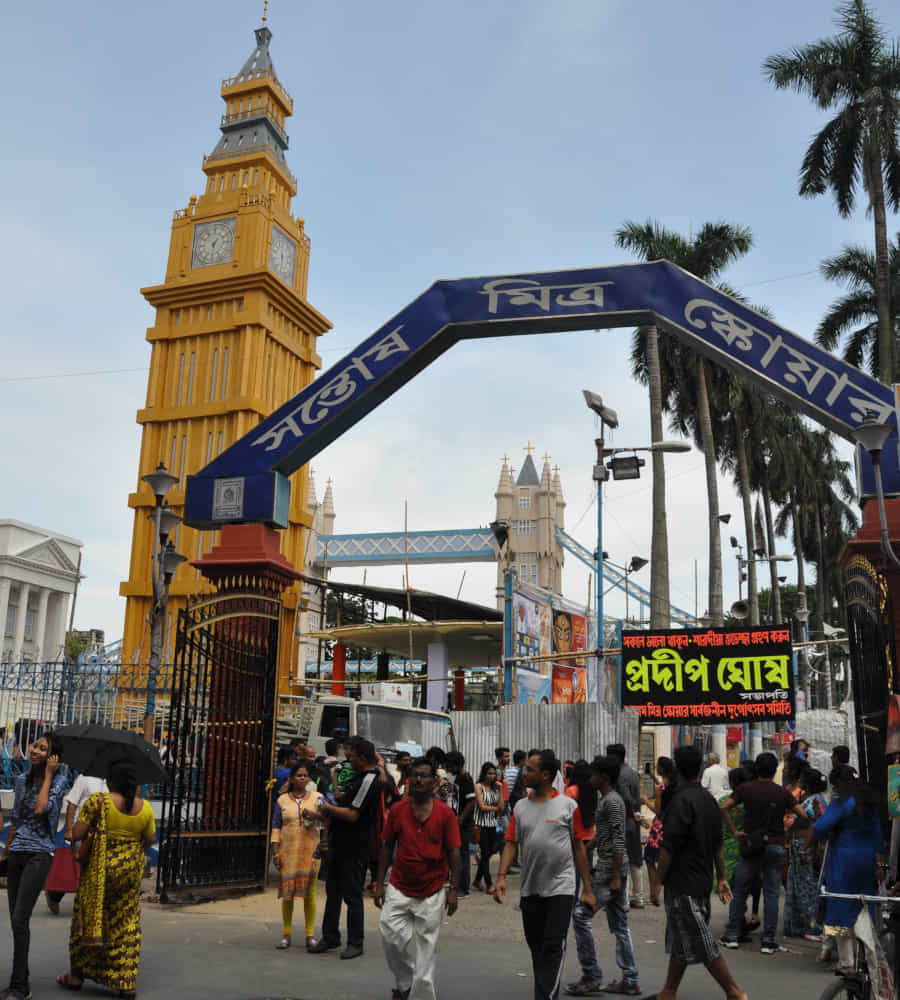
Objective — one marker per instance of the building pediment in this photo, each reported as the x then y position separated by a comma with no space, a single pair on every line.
48,554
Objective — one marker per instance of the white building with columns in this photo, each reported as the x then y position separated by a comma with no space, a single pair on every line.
38,576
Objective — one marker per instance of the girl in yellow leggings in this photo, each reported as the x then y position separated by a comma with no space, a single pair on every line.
296,829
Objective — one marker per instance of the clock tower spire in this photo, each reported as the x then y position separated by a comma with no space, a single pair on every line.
234,335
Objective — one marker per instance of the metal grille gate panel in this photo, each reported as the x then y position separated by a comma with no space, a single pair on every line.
871,630
215,814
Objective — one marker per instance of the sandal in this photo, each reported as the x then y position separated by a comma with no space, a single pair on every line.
285,942
311,942
68,981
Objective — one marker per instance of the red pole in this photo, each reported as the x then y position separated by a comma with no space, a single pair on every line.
459,689
338,668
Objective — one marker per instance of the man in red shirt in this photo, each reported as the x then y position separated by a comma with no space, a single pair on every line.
426,833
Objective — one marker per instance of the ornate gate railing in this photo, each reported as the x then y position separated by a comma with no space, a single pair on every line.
214,824
870,626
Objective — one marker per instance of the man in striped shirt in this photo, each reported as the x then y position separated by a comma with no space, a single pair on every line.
608,884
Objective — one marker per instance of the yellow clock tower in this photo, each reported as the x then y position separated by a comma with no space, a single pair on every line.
234,336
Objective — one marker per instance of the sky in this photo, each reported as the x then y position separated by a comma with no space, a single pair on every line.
430,141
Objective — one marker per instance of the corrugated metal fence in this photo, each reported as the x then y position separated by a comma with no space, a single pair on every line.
573,731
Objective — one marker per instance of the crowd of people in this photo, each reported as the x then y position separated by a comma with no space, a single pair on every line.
108,827
584,837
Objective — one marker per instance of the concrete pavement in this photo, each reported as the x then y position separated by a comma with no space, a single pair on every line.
225,951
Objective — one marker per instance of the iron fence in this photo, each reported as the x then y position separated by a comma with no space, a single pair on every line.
36,697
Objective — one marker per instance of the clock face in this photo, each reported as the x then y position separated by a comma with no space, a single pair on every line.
283,255
213,243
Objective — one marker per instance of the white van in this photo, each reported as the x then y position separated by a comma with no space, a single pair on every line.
390,727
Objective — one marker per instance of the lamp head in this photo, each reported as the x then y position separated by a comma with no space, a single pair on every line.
500,531
670,446
872,435
626,466
168,519
723,518
171,560
637,562
734,542
595,403
160,481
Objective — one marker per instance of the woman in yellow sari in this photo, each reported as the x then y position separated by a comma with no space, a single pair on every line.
105,937
296,829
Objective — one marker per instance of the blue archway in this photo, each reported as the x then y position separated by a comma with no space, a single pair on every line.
248,482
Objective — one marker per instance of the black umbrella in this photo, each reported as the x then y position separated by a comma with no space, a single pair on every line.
92,750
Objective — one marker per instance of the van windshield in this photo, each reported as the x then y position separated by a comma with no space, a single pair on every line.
387,727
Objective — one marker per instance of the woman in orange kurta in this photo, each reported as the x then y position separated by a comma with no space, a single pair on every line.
296,829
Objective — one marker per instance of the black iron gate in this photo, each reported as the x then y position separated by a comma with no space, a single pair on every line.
214,825
870,625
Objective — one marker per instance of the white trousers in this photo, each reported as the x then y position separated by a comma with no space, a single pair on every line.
409,933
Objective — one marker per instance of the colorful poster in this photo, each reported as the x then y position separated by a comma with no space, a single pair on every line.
893,791
569,633
531,616
534,688
716,675
569,685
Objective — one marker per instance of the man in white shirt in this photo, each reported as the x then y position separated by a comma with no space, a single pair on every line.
715,777
83,788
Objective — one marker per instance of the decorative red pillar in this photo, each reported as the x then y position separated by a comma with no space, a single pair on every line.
867,542
459,689
249,574
338,668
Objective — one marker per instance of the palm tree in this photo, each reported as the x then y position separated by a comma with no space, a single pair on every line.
744,410
854,266
857,75
683,375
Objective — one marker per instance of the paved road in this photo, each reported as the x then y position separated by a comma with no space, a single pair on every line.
225,951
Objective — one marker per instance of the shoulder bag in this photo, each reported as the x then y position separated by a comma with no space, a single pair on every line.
753,844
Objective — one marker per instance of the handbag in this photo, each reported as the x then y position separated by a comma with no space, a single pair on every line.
63,874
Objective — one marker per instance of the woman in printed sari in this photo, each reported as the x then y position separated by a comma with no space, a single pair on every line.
296,829
105,938
801,894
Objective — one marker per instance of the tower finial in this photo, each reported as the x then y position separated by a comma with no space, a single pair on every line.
529,448
265,11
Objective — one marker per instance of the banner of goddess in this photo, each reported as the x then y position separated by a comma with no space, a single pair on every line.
715,675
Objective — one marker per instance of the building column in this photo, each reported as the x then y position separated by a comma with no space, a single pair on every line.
61,624
40,625
19,634
4,608
438,670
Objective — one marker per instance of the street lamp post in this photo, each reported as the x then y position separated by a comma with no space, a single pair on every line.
745,563
872,435
623,464
164,563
